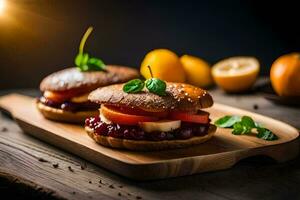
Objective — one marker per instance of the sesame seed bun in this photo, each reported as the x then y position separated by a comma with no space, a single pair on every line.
143,145
73,79
179,96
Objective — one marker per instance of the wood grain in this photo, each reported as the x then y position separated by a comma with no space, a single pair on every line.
251,178
222,152
28,164
257,178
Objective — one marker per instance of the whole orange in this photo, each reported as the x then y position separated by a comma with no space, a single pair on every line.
197,71
164,64
285,75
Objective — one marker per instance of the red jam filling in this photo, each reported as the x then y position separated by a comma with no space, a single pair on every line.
186,131
69,106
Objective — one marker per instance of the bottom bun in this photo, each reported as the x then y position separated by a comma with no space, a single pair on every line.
65,116
144,145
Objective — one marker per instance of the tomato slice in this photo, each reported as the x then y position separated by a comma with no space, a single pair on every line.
118,117
201,117
137,111
59,96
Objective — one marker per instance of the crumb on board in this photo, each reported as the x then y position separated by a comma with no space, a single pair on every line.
111,186
70,169
42,160
55,165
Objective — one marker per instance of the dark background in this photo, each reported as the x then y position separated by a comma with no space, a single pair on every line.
38,37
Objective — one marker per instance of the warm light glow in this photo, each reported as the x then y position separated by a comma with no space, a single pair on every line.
2,6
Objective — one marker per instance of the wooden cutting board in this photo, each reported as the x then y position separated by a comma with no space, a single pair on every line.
221,152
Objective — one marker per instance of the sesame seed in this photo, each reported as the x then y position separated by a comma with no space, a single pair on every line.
186,94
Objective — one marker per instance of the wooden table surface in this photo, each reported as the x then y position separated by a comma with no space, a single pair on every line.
30,168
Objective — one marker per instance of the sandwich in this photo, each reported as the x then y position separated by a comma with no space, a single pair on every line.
65,93
153,119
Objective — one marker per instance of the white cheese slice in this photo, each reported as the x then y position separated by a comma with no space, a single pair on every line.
162,126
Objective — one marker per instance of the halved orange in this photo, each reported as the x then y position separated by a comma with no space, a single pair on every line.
236,74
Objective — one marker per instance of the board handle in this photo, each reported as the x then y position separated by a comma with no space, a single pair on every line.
11,102
280,153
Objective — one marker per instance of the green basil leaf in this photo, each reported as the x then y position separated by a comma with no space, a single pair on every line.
84,63
95,64
78,59
85,59
266,134
238,128
227,121
245,125
156,86
134,86
248,122
81,61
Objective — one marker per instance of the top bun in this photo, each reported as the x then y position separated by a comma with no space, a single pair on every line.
179,96
74,79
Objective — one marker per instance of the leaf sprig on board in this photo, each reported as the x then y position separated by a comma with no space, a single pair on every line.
154,85
84,61
245,125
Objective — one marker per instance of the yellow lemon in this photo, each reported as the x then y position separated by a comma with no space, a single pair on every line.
164,64
197,71
236,74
